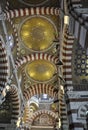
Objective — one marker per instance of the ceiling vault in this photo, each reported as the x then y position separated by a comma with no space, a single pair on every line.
43,59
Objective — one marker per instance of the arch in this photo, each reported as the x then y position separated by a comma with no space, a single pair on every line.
4,66
39,89
35,56
32,11
82,111
67,47
12,105
15,102
14,30
40,112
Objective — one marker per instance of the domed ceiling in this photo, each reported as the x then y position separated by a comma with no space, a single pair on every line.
37,33
40,70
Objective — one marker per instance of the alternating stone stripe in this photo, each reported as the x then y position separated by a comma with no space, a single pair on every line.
15,102
7,6
27,113
39,89
40,112
4,66
62,109
78,21
83,111
79,31
73,10
35,56
77,107
77,11
67,57
14,29
32,11
72,5
24,77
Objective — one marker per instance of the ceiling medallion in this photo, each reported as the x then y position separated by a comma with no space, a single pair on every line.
37,33
40,70
33,2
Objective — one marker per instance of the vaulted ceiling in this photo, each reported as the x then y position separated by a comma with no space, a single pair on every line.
31,29
40,54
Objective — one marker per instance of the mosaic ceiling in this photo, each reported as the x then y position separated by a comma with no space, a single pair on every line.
32,41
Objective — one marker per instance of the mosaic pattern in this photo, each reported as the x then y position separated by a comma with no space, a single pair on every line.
81,62
40,70
44,120
37,33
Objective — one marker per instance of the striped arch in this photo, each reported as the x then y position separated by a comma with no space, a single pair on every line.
62,107
4,66
35,56
14,29
32,11
40,112
78,22
26,113
15,102
82,111
39,89
67,57
6,6
24,76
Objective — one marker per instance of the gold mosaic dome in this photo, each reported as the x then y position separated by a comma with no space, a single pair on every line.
40,70
37,33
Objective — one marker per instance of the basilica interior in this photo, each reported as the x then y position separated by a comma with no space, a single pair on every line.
44,65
